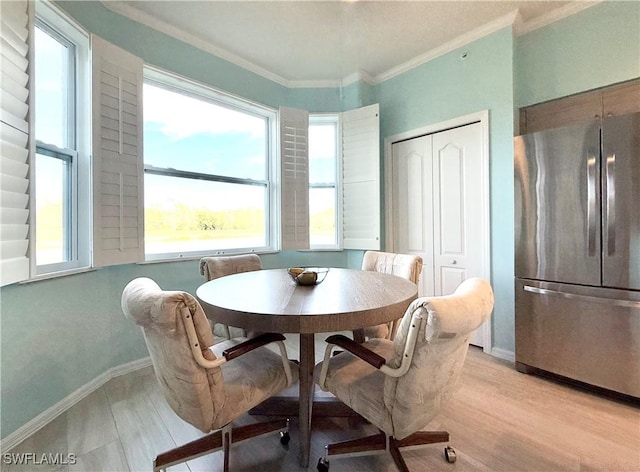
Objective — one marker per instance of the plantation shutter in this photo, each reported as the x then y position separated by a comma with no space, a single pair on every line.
361,178
294,166
14,142
118,231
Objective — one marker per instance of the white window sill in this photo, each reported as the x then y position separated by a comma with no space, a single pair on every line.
61,273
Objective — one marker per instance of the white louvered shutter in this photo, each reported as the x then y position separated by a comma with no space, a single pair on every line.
361,178
294,165
14,142
118,215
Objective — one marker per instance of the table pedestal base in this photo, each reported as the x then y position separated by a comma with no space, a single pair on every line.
324,405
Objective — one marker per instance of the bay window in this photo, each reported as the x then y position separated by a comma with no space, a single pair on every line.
61,165
207,162
323,188
90,181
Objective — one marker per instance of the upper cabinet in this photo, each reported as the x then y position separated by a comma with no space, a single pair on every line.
618,99
621,99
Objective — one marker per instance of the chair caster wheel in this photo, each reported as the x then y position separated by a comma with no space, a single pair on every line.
450,454
284,438
323,465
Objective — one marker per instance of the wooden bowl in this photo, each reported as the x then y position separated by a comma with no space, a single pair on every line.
308,275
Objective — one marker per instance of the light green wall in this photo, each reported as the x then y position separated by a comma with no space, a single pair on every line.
58,335
358,94
596,47
448,87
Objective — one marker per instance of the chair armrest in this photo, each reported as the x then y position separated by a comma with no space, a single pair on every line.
259,341
235,351
371,357
357,350
251,344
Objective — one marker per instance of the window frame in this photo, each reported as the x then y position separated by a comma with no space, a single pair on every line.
320,119
193,89
57,24
69,206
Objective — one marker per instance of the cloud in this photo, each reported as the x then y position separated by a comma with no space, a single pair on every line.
322,141
181,116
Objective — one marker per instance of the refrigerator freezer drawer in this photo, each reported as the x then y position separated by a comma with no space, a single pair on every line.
588,334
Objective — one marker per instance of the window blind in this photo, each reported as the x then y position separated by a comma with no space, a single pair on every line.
14,142
361,178
294,166
118,211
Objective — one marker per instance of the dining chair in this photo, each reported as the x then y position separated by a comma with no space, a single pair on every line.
399,386
407,266
207,385
214,267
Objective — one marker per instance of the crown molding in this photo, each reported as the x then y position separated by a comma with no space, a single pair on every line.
553,16
512,19
460,41
164,27
314,83
360,76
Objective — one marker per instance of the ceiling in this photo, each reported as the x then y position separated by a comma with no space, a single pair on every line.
314,43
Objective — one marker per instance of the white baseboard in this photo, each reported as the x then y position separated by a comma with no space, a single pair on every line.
503,354
63,405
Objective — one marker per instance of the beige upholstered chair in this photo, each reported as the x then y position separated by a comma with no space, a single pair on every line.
207,385
403,265
400,385
218,266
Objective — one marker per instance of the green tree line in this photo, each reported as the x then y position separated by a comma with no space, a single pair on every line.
183,218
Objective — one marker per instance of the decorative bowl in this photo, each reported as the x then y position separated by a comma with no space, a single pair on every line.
308,275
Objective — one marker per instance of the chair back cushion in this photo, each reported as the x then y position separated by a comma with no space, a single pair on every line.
192,391
407,266
446,324
214,267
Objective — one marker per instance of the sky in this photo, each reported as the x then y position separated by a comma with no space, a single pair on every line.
195,135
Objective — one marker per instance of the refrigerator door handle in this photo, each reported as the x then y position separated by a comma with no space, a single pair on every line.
586,298
610,175
591,206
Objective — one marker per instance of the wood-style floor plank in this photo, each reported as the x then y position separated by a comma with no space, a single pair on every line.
499,420
107,457
50,439
90,424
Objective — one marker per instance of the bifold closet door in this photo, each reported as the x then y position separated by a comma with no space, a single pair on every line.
437,209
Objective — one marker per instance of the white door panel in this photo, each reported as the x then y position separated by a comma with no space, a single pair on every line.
457,206
437,207
451,278
414,204
448,164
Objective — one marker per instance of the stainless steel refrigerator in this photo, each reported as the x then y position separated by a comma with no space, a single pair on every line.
577,244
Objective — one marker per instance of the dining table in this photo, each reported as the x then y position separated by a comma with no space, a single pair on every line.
270,300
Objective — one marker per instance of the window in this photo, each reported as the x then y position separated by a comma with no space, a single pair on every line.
207,161
61,167
344,180
323,188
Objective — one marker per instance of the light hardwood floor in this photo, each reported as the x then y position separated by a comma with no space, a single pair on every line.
500,420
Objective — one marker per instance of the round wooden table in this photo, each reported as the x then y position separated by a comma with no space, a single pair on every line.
271,301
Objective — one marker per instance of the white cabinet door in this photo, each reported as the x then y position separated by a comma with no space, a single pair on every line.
438,207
